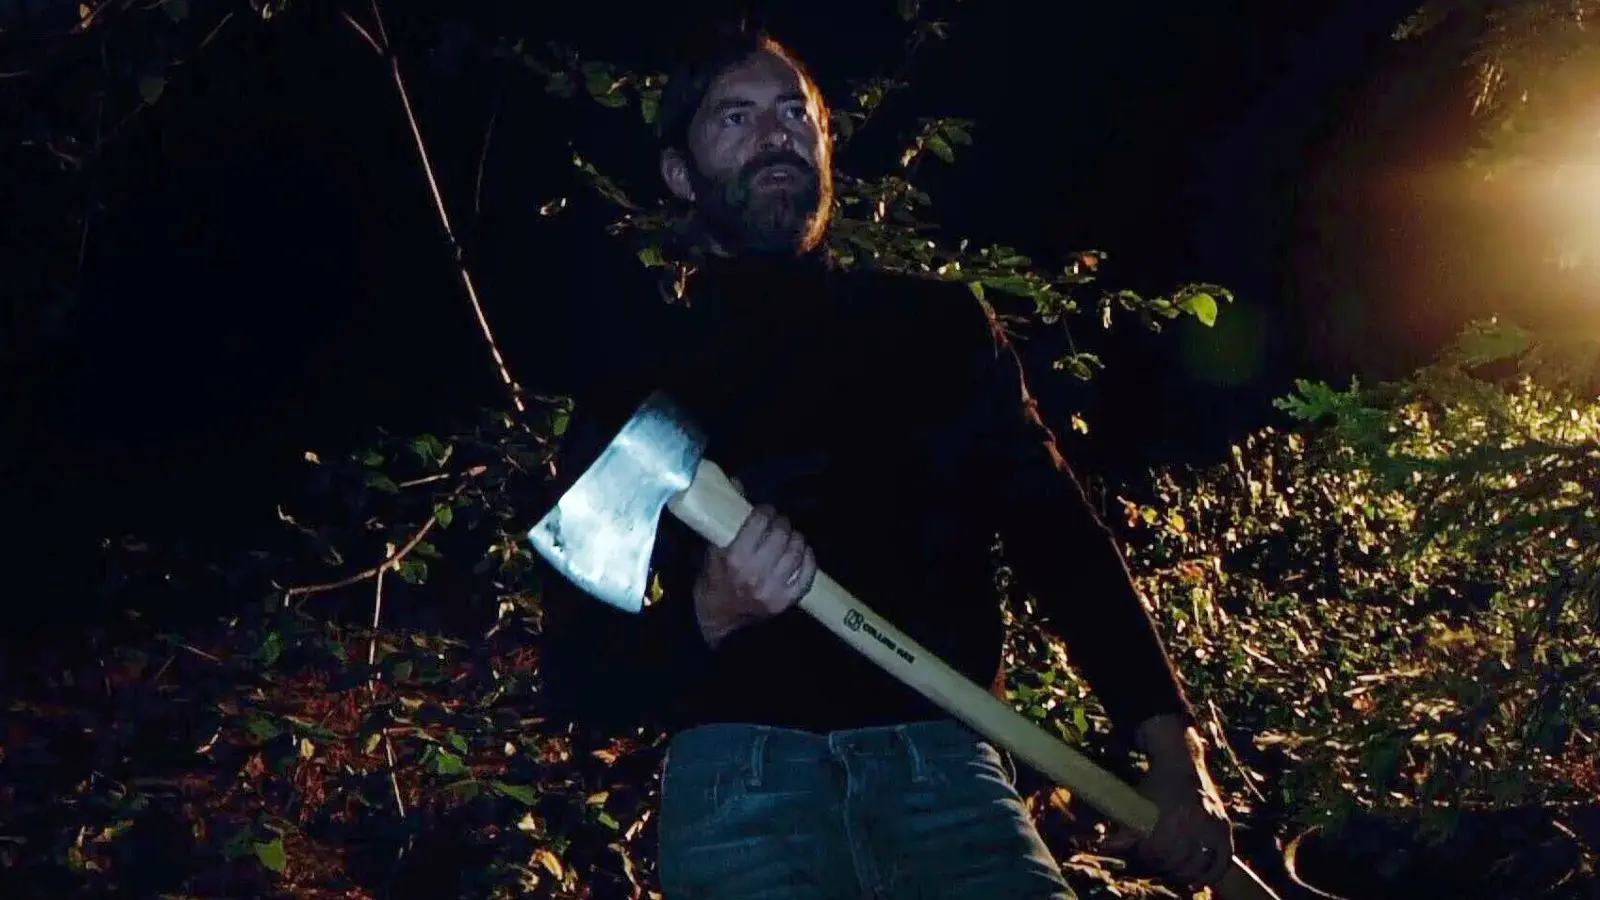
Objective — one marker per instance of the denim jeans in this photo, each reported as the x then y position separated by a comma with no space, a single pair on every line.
923,811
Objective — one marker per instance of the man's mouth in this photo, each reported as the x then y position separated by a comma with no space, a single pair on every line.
775,176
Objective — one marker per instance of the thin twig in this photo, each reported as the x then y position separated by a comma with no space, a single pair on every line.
381,45
426,479
377,619
372,684
394,779
212,34
394,558
363,32
483,155
1222,738
914,43
307,590
200,653
116,130
88,207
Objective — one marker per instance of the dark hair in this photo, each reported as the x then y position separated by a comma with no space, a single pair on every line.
707,58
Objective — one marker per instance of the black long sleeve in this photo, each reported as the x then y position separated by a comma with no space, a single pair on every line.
875,412
1066,557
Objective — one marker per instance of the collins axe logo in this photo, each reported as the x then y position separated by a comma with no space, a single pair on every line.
855,621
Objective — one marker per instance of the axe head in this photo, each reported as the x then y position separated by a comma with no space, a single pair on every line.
602,531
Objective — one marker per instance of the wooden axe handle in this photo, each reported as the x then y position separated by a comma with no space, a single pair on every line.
713,508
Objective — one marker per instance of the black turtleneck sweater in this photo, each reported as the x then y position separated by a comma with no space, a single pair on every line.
886,418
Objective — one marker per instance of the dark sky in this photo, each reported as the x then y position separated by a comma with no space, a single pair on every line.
269,277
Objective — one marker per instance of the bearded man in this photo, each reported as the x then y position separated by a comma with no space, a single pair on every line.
880,423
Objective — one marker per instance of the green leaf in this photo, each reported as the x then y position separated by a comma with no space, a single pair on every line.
956,132
272,855
940,148
559,84
1011,284
598,80
271,648
412,570
444,514
458,742
429,449
446,763
240,844
909,9
609,821
151,87
522,793
261,727
1203,306
1490,341
844,124
1081,365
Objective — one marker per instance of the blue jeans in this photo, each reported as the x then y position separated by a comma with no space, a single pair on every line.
923,811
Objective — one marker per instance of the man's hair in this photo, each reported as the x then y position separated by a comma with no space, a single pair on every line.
714,53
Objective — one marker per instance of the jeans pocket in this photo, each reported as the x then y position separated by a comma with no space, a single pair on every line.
696,797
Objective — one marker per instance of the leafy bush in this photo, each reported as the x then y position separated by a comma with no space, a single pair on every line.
1400,606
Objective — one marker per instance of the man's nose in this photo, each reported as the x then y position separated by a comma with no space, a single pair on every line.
775,136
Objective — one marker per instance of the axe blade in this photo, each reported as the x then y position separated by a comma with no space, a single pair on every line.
601,532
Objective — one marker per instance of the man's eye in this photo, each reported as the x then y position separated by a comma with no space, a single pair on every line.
796,112
734,118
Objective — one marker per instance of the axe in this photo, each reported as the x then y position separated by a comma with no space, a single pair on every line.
600,536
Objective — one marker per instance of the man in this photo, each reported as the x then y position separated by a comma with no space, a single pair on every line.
882,427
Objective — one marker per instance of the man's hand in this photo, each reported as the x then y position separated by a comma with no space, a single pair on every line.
766,570
1193,841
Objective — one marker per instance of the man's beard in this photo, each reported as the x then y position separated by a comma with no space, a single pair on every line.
787,219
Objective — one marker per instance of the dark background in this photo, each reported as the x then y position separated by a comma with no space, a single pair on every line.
269,277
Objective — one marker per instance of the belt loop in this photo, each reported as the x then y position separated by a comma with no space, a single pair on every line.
758,753
919,772
1009,764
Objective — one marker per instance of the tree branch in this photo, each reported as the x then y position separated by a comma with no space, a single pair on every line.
392,560
379,42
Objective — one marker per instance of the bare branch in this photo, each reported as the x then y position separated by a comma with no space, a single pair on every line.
380,44
390,561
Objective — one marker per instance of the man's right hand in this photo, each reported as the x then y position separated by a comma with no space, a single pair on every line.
766,570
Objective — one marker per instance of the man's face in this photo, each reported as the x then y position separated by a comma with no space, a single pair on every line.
759,173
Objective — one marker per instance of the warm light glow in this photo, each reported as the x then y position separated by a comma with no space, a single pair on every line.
1575,204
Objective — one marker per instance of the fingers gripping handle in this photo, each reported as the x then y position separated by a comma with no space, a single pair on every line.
713,508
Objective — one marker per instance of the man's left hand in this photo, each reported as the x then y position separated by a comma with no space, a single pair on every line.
1192,843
